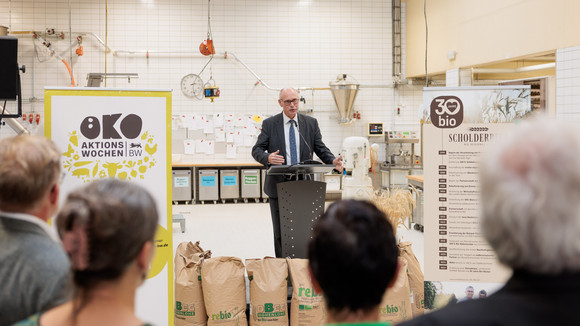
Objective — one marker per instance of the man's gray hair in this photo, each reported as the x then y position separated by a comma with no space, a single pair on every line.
285,89
530,186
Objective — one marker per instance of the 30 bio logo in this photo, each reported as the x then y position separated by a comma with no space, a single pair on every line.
446,111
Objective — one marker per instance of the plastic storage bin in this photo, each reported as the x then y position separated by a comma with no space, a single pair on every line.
208,185
250,184
229,185
181,186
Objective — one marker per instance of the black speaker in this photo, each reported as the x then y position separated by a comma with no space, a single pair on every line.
8,67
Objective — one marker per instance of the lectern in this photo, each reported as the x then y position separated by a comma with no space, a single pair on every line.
301,203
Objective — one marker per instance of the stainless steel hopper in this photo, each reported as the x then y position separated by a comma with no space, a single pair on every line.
344,93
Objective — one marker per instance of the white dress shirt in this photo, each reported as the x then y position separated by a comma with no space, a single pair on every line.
287,137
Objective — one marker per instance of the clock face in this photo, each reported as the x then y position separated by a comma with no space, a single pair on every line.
192,86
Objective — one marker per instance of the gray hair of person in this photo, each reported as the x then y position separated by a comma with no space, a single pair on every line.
285,89
29,167
530,188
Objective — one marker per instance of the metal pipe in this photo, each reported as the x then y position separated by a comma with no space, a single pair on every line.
147,53
15,125
260,81
225,55
313,88
377,86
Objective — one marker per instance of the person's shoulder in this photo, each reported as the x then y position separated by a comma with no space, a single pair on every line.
470,312
46,253
271,120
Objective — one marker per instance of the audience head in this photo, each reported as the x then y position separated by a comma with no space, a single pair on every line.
530,186
29,174
469,292
353,239
482,294
106,227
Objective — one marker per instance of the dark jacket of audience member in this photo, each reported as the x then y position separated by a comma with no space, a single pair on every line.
34,269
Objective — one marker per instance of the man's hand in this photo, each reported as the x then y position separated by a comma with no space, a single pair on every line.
276,159
338,163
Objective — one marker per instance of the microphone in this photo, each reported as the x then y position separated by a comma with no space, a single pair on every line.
305,142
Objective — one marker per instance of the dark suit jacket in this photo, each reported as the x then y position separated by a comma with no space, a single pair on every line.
272,139
525,300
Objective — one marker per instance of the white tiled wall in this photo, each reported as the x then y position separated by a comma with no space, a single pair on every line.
568,84
299,43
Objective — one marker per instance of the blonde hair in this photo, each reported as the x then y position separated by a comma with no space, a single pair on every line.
29,167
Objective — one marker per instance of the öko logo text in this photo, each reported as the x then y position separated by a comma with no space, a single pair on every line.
130,126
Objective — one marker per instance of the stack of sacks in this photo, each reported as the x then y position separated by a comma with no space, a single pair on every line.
212,291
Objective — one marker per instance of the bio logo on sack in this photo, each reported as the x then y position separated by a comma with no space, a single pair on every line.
221,316
271,310
303,307
307,292
184,309
390,309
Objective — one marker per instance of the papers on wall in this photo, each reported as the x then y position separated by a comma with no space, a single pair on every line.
218,120
227,130
175,122
210,147
189,146
220,135
207,125
249,140
239,136
229,121
231,151
257,118
240,122
200,146
230,136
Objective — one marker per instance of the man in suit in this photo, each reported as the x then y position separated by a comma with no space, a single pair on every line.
288,138
34,269
530,200
469,291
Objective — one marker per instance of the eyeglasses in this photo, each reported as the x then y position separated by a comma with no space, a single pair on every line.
288,102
